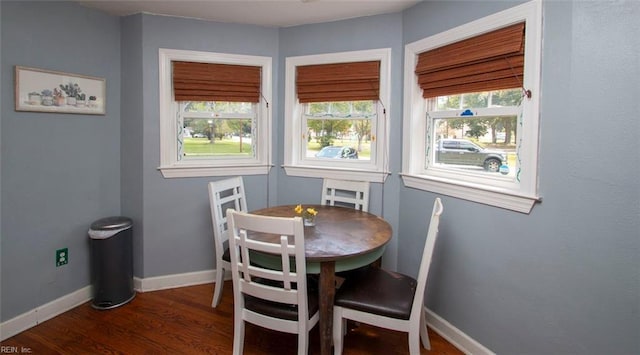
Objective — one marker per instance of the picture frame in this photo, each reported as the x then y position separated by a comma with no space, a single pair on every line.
40,90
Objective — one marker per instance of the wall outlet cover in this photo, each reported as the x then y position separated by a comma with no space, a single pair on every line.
62,257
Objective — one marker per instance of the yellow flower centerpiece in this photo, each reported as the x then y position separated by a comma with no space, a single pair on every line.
308,215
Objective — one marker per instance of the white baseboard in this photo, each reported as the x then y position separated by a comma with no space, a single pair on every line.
45,312
455,336
176,280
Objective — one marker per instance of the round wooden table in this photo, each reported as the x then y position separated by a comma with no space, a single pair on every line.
342,239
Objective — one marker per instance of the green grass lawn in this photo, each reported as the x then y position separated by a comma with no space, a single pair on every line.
202,146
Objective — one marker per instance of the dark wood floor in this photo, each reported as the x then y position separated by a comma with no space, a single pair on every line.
181,321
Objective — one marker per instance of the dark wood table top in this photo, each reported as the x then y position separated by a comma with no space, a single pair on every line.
339,232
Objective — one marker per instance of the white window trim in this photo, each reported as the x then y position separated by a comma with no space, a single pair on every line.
170,166
374,171
414,145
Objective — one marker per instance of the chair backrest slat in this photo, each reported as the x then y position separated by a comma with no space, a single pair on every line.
346,193
284,283
223,194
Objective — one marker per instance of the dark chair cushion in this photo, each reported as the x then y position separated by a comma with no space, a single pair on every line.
226,256
281,310
378,291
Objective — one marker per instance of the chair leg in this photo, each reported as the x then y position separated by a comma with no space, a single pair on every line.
424,334
414,342
303,342
238,334
338,330
217,291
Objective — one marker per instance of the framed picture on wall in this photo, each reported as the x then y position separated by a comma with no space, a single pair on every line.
40,90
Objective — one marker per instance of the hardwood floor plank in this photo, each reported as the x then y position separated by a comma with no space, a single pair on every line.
181,321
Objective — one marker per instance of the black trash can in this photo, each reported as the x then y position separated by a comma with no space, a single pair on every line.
112,262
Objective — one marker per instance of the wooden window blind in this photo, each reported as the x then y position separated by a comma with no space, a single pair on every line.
338,82
491,61
193,81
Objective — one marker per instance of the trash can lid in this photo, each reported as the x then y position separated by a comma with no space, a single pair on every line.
108,223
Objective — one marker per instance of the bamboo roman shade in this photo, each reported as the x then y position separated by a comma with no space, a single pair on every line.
491,61
338,82
194,81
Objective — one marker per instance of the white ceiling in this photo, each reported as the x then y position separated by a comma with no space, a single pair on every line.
271,13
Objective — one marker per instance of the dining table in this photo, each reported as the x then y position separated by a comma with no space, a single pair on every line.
342,239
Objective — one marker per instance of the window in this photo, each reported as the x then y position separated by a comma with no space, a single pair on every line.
216,130
474,93
471,133
339,130
336,106
214,114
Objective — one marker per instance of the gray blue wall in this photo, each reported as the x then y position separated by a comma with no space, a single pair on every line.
563,279
132,134
566,278
60,172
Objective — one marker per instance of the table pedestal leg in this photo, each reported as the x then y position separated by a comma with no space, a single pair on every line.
327,291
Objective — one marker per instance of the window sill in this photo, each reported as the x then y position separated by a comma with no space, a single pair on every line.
503,199
335,173
170,172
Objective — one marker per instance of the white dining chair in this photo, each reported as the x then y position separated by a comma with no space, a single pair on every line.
346,193
388,299
223,194
273,298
